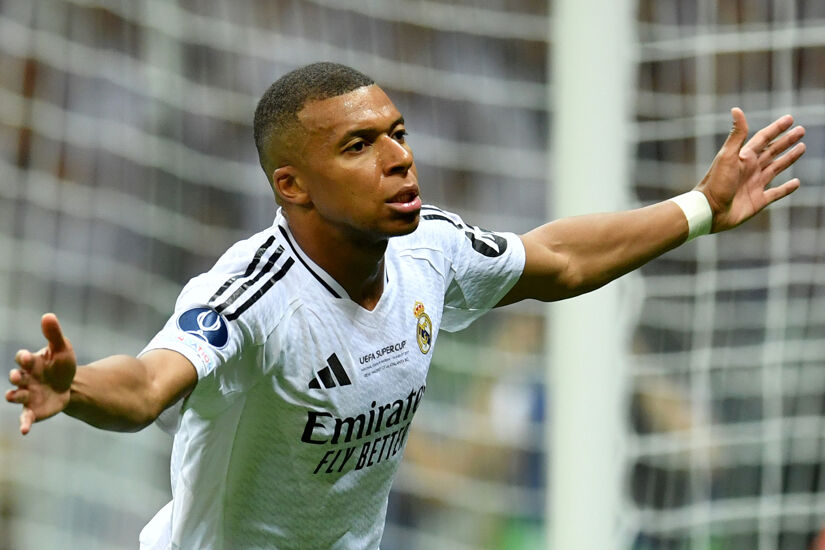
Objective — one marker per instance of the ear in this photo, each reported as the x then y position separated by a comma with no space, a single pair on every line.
288,186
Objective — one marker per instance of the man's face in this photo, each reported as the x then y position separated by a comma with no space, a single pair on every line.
357,167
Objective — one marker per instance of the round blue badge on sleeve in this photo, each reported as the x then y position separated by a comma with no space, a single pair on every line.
205,323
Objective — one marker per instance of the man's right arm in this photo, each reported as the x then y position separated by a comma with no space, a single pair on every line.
126,394
119,393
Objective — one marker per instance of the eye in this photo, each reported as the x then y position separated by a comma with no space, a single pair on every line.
356,147
400,135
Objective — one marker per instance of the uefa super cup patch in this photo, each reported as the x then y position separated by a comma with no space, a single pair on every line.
206,324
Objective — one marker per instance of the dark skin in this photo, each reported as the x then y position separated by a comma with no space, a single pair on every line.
571,256
350,162
347,183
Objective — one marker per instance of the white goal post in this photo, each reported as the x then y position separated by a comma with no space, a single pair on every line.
592,94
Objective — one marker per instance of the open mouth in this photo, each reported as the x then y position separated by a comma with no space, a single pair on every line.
404,197
407,202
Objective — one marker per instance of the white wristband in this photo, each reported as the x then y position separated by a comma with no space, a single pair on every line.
697,210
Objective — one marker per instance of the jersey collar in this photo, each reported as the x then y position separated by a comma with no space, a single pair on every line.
324,278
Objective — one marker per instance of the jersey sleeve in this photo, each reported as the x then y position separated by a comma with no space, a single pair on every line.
199,331
484,266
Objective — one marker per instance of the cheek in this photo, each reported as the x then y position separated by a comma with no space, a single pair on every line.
354,182
364,180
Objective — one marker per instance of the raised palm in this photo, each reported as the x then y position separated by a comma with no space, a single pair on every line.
737,183
44,378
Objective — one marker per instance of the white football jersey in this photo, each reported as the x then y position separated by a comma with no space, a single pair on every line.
297,424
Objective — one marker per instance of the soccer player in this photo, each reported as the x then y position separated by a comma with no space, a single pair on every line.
290,372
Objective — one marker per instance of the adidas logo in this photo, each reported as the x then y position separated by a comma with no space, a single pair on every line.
325,375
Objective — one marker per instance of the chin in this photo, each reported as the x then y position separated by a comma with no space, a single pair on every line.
405,227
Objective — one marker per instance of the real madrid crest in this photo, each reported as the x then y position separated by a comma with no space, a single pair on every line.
423,328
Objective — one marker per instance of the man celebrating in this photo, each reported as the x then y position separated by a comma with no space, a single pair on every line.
291,371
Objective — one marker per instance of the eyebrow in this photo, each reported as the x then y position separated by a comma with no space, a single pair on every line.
368,132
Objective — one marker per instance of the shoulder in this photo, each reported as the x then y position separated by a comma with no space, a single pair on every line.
248,284
435,217
437,220
449,233
437,230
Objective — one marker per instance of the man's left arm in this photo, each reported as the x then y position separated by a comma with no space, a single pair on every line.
571,256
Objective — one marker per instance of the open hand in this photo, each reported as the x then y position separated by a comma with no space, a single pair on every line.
44,378
736,185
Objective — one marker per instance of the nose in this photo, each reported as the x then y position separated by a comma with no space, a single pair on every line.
396,157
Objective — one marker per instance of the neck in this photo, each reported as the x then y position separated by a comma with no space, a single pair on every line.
356,264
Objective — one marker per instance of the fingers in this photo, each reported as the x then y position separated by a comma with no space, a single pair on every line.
775,193
767,134
18,397
786,160
27,418
738,132
781,144
21,396
51,330
25,359
19,378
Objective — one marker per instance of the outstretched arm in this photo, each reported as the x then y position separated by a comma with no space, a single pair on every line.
571,256
119,393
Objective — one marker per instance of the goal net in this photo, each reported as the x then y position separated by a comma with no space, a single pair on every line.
726,363
127,166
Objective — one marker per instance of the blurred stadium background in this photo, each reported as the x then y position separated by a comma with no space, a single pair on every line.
127,166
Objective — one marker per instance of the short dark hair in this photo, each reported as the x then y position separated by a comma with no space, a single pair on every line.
279,106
